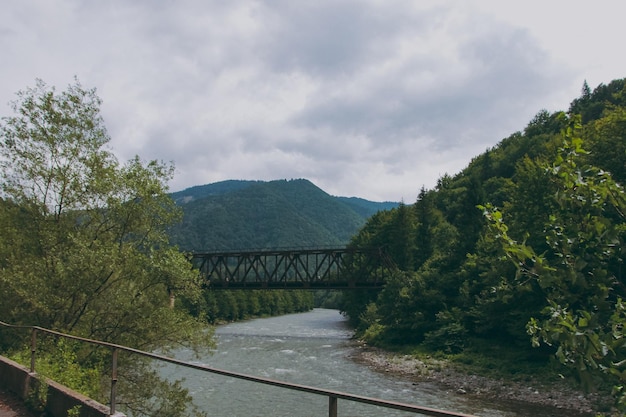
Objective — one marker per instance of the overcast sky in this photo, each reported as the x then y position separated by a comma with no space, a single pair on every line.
367,98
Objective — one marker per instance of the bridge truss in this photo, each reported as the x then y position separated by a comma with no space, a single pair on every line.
333,268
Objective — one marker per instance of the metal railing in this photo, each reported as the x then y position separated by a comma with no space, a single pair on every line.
333,396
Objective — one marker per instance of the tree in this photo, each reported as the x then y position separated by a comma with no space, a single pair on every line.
401,247
84,247
585,91
581,273
606,140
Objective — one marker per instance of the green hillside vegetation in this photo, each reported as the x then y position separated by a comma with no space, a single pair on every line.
520,252
367,208
255,215
201,191
236,215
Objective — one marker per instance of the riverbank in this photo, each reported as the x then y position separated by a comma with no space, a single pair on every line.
551,396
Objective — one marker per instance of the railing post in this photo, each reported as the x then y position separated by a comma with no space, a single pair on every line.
332,406
113,379
33,349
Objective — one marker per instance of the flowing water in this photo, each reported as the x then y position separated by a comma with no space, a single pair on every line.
311,349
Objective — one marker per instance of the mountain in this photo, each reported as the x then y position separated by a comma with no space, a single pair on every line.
233,215
200,191
367,208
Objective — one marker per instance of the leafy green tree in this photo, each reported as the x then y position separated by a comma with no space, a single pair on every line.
408,306
227,306
402,247
426,214
490,299
531,201
581,273
254,306
456,200
545,123
592,106
84,247
373,235
606,140
496,307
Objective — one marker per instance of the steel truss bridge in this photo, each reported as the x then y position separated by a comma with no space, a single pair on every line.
330,268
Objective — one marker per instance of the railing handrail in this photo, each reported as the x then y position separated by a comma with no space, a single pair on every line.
333,395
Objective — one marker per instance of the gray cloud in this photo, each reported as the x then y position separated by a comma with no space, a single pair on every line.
365,98
438,97
331,39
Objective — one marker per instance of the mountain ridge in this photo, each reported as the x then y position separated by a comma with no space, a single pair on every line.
223,187
244,214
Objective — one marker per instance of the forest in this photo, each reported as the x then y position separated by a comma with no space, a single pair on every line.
522,250
237,215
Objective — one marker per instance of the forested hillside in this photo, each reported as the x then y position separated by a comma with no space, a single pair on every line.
235,215
256,214
523,248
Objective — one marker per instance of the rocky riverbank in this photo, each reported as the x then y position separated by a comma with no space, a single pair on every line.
557,399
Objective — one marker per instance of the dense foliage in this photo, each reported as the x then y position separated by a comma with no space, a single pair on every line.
84,249
232,305
549,199
235,215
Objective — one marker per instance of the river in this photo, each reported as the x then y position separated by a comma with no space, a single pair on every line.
311,349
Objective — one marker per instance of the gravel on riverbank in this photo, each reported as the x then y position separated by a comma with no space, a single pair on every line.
557,396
